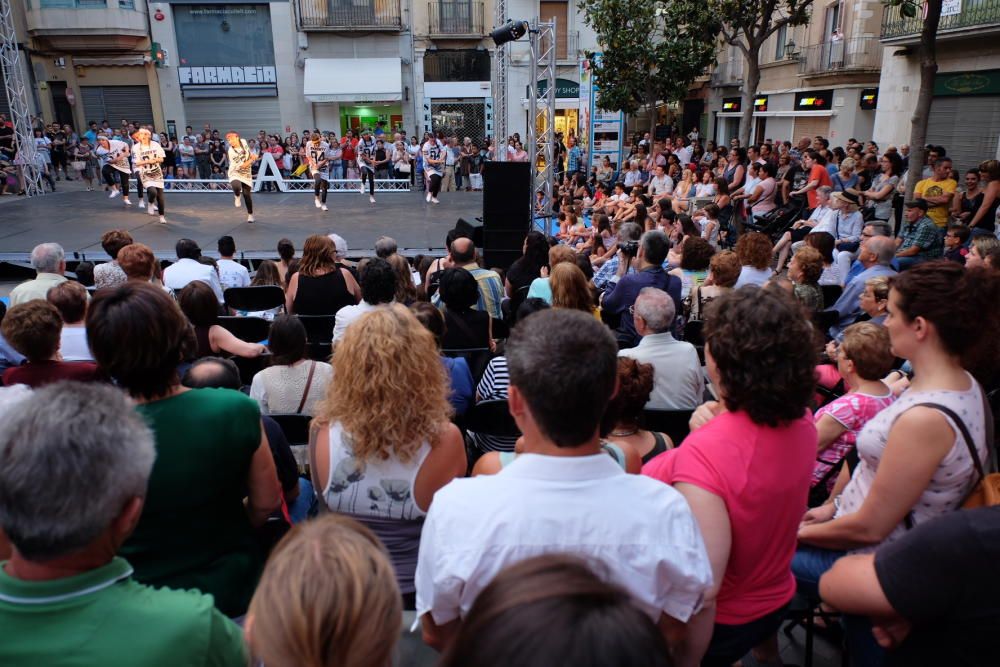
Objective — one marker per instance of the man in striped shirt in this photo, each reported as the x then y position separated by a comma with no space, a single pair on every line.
463,255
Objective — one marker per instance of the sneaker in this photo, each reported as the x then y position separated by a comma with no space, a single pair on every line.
316,202
163,220
126,202
155,208
324,208
434,200
142,204
151,211
250,218
236,202
90,189
371,199
114,193
428,197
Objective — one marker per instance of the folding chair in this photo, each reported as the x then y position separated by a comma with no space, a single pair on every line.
319,328
249,329
254,299
672,422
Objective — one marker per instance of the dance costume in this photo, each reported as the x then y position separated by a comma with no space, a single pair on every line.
151,175
240,176
116,165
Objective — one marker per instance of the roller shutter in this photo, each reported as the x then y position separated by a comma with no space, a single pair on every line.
113,103
811,126
968,128
246,115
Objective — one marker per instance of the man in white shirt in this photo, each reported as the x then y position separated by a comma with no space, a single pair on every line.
231,272
682,152
678,383
188,268
633,176
660,184
562,494
378,286
49,262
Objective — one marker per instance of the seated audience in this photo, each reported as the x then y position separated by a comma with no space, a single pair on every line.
824,243
754,250
138,262
465,327
70,299
350,615
804,271
876,256
981,248
292,383
613,269
195,531
620,298
678,380
110,273
563,494
571,289
188,269
320,286
49,262
822,219
956,243
526,268
723,272
916,462
9,357
286,253
919,239
69,497
461,395
199,306
378,286
745,468
385,444
34,329
696,257
231,272
555,610
406,290
540,287
462,254
624,411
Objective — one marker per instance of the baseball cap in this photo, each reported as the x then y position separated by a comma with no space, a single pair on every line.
916,203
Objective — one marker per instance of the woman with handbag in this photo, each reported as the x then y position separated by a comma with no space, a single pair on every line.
84,162
401,161
292,383
918,456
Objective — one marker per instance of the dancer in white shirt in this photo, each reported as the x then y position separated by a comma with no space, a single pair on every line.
116,170
241,160
315,153
366,163
148,155
433,167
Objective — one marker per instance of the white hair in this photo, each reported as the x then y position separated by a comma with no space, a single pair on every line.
656,308
47,257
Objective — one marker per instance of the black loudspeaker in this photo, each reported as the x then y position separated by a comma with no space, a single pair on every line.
506,211
473,231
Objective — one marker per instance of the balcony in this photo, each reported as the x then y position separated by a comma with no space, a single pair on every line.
456,20
975,17
861,54
87,26
728,73
350,15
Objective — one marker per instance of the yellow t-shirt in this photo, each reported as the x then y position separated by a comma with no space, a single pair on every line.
931,188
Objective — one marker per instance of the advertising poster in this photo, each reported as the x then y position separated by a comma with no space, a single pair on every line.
606,127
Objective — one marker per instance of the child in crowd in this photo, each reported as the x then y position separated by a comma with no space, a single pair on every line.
710,225
956,243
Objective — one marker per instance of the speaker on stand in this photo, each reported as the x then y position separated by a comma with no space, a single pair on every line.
506,211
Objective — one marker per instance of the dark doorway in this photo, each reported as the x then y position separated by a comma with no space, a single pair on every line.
693,109
60,105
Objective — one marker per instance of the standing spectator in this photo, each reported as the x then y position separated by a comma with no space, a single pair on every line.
937,191
231,272
983,222
818,176
110,273
202,157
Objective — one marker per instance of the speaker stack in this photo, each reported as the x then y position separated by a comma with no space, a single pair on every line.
506,212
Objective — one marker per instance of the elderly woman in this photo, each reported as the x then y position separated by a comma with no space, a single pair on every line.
746,466
320,287
804,271
754,250
200,306
110,273
382,448
723,272
621,421
918,455
820,220
139,263
874,301
214,478
292,383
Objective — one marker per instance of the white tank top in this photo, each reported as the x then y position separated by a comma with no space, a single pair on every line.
376,489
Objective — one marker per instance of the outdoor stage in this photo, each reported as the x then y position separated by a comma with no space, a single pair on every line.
77,219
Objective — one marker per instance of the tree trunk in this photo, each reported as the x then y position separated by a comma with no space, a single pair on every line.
921,113
751,79
651,103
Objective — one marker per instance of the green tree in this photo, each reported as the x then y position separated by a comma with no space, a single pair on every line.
927,52
747,25
652,51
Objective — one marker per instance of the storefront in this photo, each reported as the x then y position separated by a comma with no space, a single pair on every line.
354,93
567,108
965,116
456,93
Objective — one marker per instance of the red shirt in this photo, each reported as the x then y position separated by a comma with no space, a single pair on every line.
41,373
818,172
762,474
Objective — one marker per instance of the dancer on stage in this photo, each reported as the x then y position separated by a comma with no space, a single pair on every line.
241,161
135,169
366,163
433,166
116,170
315,153
148,158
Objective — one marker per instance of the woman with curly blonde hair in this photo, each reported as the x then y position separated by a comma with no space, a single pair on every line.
382,449
349,616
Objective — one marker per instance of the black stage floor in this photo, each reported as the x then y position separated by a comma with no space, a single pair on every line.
76,220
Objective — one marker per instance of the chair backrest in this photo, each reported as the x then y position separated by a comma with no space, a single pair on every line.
320,352
672,422
250,366
249,329
491,418
253,299
824,319
478,358
830,294
294,426
319,328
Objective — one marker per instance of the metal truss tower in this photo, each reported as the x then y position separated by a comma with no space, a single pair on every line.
17,99
541,113
500,89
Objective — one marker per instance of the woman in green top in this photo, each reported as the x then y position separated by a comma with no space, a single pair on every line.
195,531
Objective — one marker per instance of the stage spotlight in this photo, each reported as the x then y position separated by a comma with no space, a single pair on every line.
511,32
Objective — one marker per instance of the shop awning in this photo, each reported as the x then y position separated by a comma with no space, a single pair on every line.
353,80
111,61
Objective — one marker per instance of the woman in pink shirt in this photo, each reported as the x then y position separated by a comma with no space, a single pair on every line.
746,466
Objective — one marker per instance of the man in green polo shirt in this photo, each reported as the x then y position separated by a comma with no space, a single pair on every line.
76,460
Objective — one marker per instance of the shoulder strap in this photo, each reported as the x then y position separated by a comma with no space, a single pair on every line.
305,393
966,436
615,452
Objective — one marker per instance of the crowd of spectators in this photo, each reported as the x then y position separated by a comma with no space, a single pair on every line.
836,415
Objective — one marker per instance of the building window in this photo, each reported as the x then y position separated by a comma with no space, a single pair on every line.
73,4
126,4
780,41
457,65
224,45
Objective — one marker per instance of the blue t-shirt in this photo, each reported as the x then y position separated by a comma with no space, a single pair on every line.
461,396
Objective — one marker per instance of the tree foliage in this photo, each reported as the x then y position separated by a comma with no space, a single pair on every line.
651,50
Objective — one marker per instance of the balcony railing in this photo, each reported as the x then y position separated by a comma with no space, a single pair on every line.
974,14
73,4
728,73
456,18
858,54
345,15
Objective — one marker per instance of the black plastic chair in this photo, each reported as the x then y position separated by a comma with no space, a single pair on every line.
253,299
478,358
672,422
830,294
250,366
693,333
824,319
491,418
249,329
294,426
319,328
319,351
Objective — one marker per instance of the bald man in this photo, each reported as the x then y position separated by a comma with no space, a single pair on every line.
462,254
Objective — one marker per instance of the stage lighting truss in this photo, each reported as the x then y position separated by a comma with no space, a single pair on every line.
541,114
